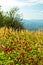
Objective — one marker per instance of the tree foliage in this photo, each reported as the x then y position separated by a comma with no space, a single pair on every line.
11,18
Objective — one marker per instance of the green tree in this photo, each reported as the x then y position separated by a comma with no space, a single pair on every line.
1,17
11,18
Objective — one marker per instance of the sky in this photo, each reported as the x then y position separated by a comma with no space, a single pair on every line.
31,9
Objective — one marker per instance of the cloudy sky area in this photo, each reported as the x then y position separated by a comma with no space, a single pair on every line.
31,9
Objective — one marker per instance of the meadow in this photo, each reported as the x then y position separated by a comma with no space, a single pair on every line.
21,47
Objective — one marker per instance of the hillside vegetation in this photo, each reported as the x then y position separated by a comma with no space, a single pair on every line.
21,47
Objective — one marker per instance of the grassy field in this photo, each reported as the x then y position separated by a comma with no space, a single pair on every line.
21,47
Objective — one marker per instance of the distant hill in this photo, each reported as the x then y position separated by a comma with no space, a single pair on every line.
33,24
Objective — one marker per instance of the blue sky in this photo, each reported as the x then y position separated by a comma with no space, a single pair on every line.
31,9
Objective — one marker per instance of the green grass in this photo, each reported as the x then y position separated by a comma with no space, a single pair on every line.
21,47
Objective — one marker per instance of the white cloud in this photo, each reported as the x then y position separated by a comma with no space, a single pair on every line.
20,3
34,15
41,11
11,3
7,3
34,2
